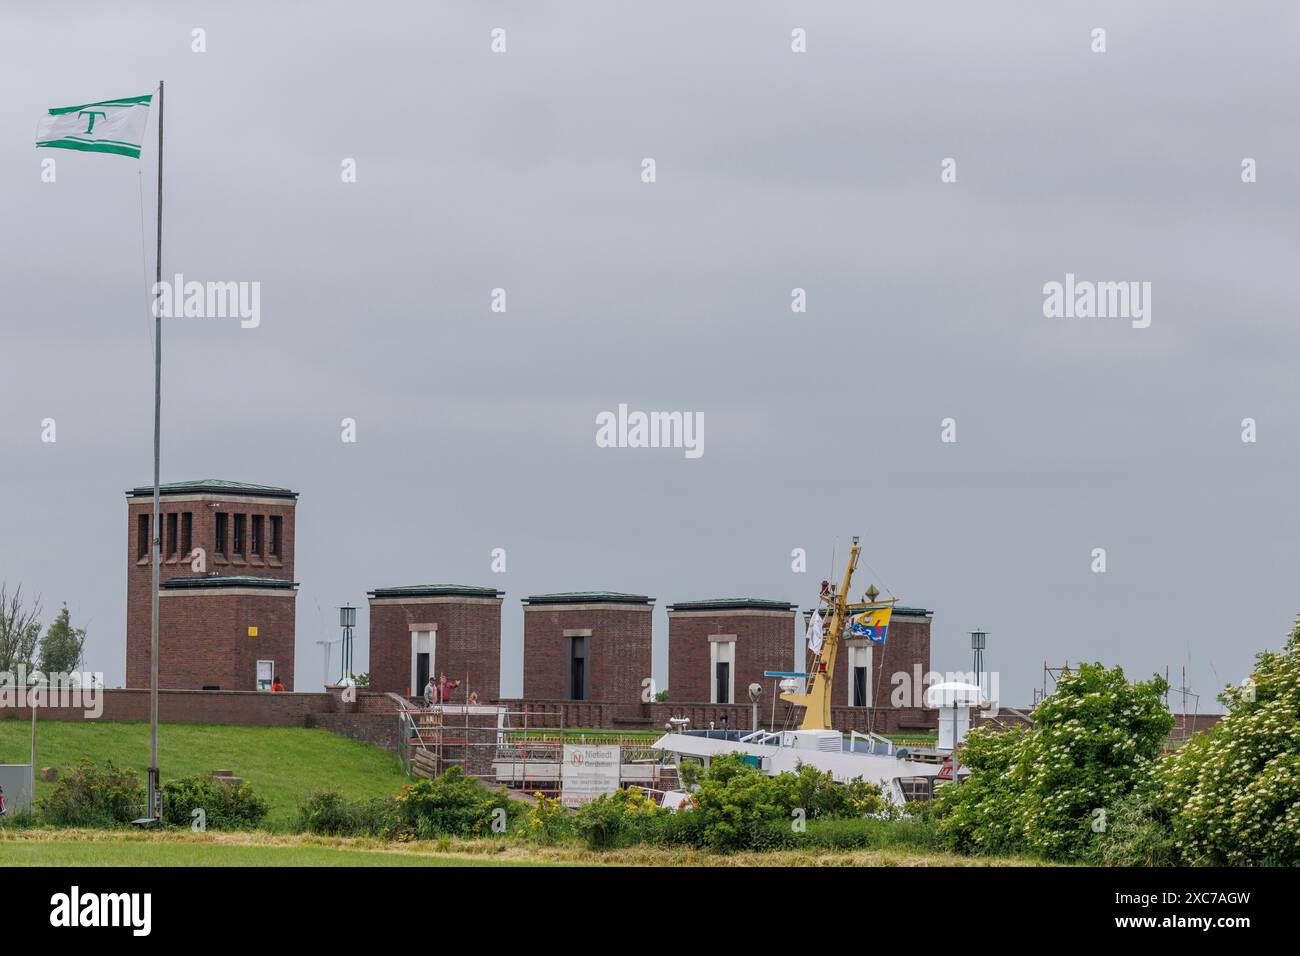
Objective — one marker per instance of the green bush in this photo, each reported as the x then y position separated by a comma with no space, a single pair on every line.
451,804
94,795
982,815
736,801
547,821
735,807
683,828
843,834
1137,833
225,807
623,818
1233,795
600,822
325,814
329,814
1048,791
846,834
25,820
738,807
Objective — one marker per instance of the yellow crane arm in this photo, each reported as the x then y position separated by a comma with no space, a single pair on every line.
816,701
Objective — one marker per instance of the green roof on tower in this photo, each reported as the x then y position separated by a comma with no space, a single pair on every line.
213,486
734,604
588,597
437,590
199,581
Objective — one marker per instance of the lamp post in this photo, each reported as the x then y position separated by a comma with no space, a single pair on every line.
977,641
31,701
347,621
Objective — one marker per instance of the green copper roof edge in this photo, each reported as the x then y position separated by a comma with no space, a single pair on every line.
732,604
588,597
434,590
190,582
218,486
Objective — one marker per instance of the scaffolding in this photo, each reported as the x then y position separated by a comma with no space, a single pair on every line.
1185,721
522,750
1053,675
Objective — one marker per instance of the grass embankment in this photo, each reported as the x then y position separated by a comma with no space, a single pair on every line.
133,848
282,764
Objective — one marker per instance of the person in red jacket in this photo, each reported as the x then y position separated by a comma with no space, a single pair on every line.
276,685
445,687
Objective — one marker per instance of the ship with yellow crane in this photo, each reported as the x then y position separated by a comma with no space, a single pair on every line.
903,774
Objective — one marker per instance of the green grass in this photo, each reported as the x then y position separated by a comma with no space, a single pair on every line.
282,764
169,848
914,740
129,853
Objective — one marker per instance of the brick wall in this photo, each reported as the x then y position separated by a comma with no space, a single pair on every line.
618,656
196,707
372,717
469,641
764,642
203,639
378,730
203,509
556,714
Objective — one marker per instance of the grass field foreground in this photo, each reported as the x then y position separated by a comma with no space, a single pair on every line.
134,848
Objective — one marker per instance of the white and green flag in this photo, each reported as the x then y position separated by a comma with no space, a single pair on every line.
110,126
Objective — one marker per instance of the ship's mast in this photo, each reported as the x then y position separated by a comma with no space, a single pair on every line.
836,610
817,700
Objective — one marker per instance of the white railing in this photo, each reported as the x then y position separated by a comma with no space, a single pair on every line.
873,740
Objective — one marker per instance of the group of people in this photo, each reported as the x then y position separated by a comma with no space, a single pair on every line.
434,693
440,692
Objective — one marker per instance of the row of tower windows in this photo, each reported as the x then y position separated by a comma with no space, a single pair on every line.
250,534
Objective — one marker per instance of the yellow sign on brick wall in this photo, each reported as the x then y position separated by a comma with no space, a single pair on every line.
252,632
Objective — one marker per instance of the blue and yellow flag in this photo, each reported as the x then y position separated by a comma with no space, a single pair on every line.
873,624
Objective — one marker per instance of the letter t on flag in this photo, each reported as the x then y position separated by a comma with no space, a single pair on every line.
110,126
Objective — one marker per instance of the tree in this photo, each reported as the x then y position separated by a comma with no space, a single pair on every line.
983,814
62,646
1233,795
20,629
1051,790
1098,736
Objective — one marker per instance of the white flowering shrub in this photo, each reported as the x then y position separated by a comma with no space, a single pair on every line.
1233,795
983,814
1048,791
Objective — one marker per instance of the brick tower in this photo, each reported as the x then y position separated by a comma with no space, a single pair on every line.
420,631
717,648
226,595
591,645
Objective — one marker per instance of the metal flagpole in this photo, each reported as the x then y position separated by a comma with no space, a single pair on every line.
31,700
154,791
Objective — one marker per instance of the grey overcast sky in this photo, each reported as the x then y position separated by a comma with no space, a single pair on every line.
775,170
